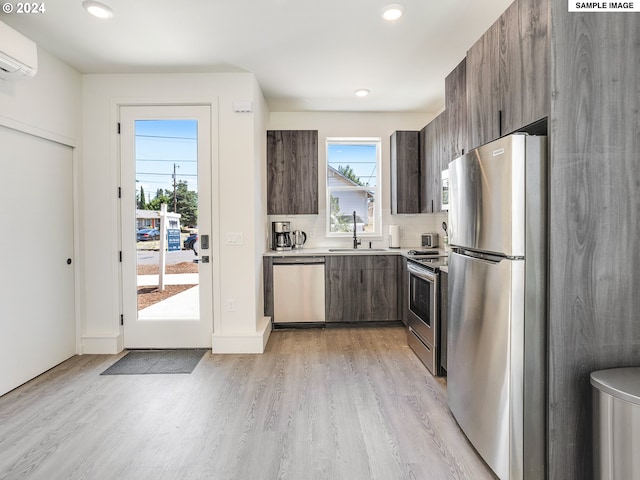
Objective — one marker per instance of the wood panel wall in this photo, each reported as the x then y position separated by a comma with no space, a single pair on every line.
594,317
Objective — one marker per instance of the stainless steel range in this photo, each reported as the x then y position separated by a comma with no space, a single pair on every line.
423,323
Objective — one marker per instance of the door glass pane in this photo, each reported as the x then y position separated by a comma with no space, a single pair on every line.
167,173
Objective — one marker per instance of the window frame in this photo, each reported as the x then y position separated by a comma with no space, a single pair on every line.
377,190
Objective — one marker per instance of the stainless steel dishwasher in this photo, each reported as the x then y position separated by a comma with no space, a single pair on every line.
298,290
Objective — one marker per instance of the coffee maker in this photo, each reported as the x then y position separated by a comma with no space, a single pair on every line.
281,236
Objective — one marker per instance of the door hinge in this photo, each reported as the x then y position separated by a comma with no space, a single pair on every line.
118,128
121,319
120,256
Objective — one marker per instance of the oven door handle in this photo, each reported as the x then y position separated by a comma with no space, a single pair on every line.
421,273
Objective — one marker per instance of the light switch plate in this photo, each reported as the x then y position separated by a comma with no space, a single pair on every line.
235,238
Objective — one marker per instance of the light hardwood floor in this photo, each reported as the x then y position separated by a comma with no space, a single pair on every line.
343,403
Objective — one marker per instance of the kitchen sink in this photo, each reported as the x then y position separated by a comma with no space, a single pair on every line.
358,250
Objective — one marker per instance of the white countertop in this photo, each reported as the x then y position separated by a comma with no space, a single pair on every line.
325,251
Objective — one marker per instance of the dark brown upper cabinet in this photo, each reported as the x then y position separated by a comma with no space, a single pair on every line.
508,73
483,102
524,72
292,172
405,172
455,88
434,157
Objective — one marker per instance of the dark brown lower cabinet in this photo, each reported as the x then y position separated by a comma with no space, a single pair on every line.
362,288
403,291
444,318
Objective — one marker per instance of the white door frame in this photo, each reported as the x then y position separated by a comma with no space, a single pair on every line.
166,333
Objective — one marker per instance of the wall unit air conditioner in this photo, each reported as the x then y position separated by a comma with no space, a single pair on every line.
18,55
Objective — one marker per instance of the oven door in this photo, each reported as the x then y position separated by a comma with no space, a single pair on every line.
423,303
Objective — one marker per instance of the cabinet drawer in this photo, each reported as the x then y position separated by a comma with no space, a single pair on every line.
361,262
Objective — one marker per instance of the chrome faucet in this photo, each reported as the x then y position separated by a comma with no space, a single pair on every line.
356,240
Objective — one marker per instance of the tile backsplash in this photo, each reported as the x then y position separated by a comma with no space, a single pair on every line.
411,229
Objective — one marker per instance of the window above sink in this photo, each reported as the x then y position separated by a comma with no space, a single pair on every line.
353,166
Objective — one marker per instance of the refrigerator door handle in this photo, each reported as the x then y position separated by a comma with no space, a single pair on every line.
481,256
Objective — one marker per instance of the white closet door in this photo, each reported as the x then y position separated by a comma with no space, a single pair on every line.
37,323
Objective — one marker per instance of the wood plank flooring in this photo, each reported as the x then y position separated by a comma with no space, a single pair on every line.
342,403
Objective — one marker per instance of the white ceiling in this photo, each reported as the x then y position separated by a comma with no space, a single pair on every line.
307,55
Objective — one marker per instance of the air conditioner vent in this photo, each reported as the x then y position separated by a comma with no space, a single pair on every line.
18,55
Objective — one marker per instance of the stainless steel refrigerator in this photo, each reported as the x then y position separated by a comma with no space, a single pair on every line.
497,302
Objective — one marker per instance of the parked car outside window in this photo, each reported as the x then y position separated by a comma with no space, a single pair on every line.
146,234
191,243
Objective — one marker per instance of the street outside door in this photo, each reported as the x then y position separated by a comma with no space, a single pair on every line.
166,159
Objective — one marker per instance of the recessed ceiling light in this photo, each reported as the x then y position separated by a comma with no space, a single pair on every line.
97,9
362,92
392,12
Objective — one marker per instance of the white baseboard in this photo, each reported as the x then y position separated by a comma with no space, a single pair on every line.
243,342
101,345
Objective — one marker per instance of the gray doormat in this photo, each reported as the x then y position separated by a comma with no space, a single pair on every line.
142,362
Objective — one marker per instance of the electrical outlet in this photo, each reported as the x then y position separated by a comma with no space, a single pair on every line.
231,305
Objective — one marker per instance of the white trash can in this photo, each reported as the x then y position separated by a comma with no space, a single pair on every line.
616,423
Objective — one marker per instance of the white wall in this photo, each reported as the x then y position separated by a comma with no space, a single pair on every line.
236,172
48,105
340,124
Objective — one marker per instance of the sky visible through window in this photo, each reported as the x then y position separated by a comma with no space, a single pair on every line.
357,160
161,144
360,157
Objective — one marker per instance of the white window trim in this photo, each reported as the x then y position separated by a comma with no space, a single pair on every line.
377,189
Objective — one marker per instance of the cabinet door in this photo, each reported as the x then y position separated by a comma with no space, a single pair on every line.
405,172
345,289
267,277
292,172
427,169
383,288
361,288
444,317
455,86
403,291
524,64
426,138
432,161
482,88
346,296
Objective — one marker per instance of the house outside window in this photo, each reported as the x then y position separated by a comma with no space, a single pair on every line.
353,167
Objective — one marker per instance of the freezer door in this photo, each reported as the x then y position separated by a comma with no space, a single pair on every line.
487,188
485,358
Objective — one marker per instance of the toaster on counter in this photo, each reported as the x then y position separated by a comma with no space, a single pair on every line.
430,240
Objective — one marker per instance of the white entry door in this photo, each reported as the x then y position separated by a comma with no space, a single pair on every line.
166,158
37,320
